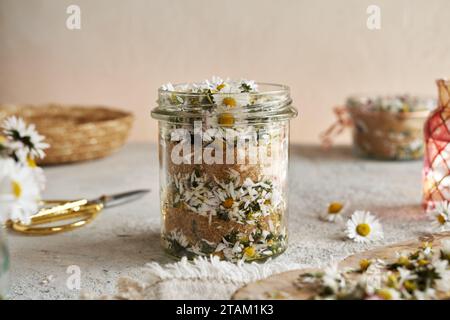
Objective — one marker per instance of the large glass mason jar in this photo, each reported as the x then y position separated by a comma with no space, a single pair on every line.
223,154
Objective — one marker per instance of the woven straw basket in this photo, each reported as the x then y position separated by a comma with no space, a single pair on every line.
75,133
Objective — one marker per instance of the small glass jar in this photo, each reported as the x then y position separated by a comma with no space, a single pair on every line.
389,127
223,170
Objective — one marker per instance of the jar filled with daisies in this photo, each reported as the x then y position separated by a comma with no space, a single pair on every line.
223,153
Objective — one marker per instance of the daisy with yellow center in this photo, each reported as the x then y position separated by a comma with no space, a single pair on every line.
440,216
216,84
228,195
249,252
226,119
24,137
228,203
229,107
231,99
230,102
19,191
364,264
364,227
333,212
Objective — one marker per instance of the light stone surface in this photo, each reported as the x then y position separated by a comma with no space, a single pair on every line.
122,239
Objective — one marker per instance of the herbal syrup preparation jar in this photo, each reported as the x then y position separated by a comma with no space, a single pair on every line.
389,127
223,153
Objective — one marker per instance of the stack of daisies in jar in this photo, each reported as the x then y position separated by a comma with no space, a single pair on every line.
223,148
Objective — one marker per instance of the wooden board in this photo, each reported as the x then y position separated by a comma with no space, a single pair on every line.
282,285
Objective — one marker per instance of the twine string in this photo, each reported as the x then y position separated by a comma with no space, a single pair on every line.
343,121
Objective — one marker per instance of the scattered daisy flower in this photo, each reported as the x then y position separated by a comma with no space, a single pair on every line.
364,227
332,278
383,281
333,212
440,216
19,192
24,136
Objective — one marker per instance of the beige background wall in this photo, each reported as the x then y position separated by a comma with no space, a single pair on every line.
126,49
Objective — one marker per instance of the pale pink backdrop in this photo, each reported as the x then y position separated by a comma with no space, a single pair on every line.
126,49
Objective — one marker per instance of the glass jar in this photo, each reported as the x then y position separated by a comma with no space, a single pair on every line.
389,127
223,171
436,170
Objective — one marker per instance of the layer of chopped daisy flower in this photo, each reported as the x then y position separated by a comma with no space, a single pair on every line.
21,180
242,201
421,274
222,97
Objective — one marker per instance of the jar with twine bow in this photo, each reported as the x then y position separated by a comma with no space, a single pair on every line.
384,127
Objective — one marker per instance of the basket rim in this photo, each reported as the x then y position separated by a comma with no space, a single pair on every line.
119,114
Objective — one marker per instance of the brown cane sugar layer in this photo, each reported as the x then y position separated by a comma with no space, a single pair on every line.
196,227
221,171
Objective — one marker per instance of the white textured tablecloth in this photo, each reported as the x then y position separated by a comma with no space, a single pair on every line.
123,239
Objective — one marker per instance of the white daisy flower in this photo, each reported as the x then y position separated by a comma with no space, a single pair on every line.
332,278
19,191
229,196
364,227
440,216
372,276
217,84
333,212
24,136
231,98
